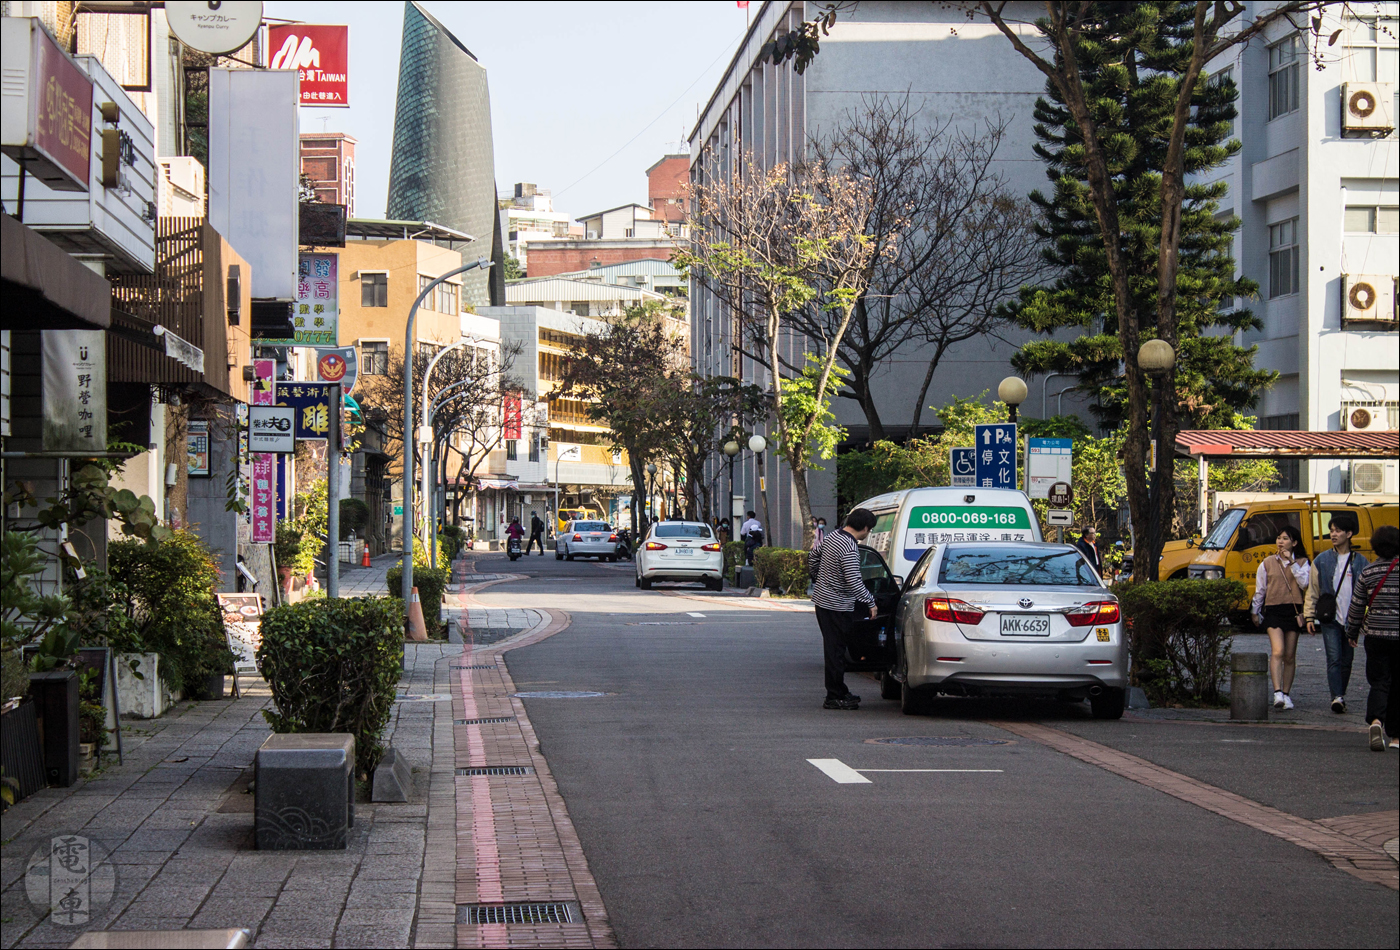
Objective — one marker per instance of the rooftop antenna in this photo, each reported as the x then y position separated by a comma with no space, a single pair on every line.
325,121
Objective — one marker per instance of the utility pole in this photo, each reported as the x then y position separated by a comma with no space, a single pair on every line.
333,495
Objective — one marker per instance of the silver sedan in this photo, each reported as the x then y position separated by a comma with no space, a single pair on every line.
586,539
1007,618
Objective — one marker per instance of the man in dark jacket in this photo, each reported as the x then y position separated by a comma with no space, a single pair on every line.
1088,544
536,533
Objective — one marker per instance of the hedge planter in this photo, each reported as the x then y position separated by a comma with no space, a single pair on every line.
21,754
142,698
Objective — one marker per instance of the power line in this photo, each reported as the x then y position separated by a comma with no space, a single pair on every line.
658,118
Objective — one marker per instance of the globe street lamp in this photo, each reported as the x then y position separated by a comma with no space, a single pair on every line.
1156,359
1013,392
731,449
757,445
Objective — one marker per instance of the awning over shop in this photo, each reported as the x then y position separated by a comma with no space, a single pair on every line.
486,483
1284,443
44,288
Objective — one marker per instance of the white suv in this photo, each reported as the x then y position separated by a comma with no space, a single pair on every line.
680,551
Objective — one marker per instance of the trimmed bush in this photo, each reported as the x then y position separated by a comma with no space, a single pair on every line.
781,569
354,516
733,560
333,666
431,583
1179,636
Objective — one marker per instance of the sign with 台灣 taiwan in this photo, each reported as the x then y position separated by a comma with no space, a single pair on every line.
317,310
320,53
996,455
939,524
312,402
74,394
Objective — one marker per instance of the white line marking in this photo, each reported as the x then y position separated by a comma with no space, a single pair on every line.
929,770
840,772
692,613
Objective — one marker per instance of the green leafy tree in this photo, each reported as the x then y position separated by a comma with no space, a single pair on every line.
513,269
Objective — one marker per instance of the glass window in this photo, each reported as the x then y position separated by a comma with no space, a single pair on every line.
592,526
446,298
683,530
1388,219
1017,566
1372,219
1283,258
1263,527
920,571
534,448
510,450
884,521
423,282
374,290
374,358
1284,75
1223,531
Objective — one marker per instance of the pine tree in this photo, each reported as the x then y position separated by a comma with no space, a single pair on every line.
1131,65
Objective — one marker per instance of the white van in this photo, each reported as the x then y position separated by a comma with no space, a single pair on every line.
910,521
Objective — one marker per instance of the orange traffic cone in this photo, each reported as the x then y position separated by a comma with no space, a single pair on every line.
417,628
364,561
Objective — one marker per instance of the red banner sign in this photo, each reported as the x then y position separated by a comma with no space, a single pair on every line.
510,416
264,500
320,53
63,125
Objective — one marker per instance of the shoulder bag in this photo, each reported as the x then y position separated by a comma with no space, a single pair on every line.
1326,609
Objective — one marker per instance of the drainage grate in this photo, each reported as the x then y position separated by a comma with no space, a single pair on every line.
937,740
559,913
482,722
498,770
484,666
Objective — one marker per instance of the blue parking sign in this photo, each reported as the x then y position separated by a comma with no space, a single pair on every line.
962,465
996,455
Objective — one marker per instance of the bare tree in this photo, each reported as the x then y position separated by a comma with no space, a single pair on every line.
962,241
771,244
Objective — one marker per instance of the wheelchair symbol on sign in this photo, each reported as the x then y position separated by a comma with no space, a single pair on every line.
964,464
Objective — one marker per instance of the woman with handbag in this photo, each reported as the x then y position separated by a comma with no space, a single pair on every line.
1375,611
1278,607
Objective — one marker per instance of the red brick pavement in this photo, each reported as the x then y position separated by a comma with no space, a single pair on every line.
515,842
1349,843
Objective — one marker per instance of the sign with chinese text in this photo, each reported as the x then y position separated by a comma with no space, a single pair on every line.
312,402
938,525
338,364
75,390
197,449
962,467
510,416
261,392
243,627
264,505
996,455
317,309
271,429
1048,461
320,53
48,108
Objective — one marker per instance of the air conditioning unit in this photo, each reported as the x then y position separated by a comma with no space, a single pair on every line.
1366,107
1368,298
1374,477
1365,417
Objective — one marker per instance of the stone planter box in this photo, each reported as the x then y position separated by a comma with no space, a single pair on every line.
142,698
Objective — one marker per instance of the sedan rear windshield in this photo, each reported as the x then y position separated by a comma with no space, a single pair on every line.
591,526
684,531
1017,566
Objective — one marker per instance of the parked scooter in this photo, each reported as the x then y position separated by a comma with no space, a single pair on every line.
513,549
624,543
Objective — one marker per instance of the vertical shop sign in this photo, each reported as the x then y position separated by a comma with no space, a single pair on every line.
510,416
318,307
197,449
264,507
263,391
75,391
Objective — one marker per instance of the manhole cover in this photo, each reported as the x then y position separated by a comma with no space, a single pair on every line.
937,740
559,694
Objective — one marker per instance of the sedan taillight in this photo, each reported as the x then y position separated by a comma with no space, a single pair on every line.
1098,611
655,546
612,537
709,547
578,537
952,611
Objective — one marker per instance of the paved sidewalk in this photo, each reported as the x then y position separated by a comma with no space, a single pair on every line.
179,825
367,581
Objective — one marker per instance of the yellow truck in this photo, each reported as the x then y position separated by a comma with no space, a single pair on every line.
1245,534
583,513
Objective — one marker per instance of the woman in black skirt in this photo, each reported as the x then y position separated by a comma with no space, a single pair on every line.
1278,607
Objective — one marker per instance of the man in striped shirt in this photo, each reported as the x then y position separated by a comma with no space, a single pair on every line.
841,597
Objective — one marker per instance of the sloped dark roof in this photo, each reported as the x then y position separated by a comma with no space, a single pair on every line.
1271,443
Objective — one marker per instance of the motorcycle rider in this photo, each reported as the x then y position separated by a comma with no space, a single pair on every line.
514,532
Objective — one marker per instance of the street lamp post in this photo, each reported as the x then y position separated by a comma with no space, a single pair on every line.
1155,358
1013,392
406,590
757,445
731,449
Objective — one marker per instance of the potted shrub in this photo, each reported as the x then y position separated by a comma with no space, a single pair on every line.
287,551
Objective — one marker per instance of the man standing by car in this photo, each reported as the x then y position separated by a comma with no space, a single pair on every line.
840,596
751,531
536,533
1088,546
1329,597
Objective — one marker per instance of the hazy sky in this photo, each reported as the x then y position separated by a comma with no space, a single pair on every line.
571,84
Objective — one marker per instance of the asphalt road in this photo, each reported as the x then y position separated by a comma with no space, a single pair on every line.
705,825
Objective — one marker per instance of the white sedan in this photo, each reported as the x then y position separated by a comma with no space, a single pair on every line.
680,551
